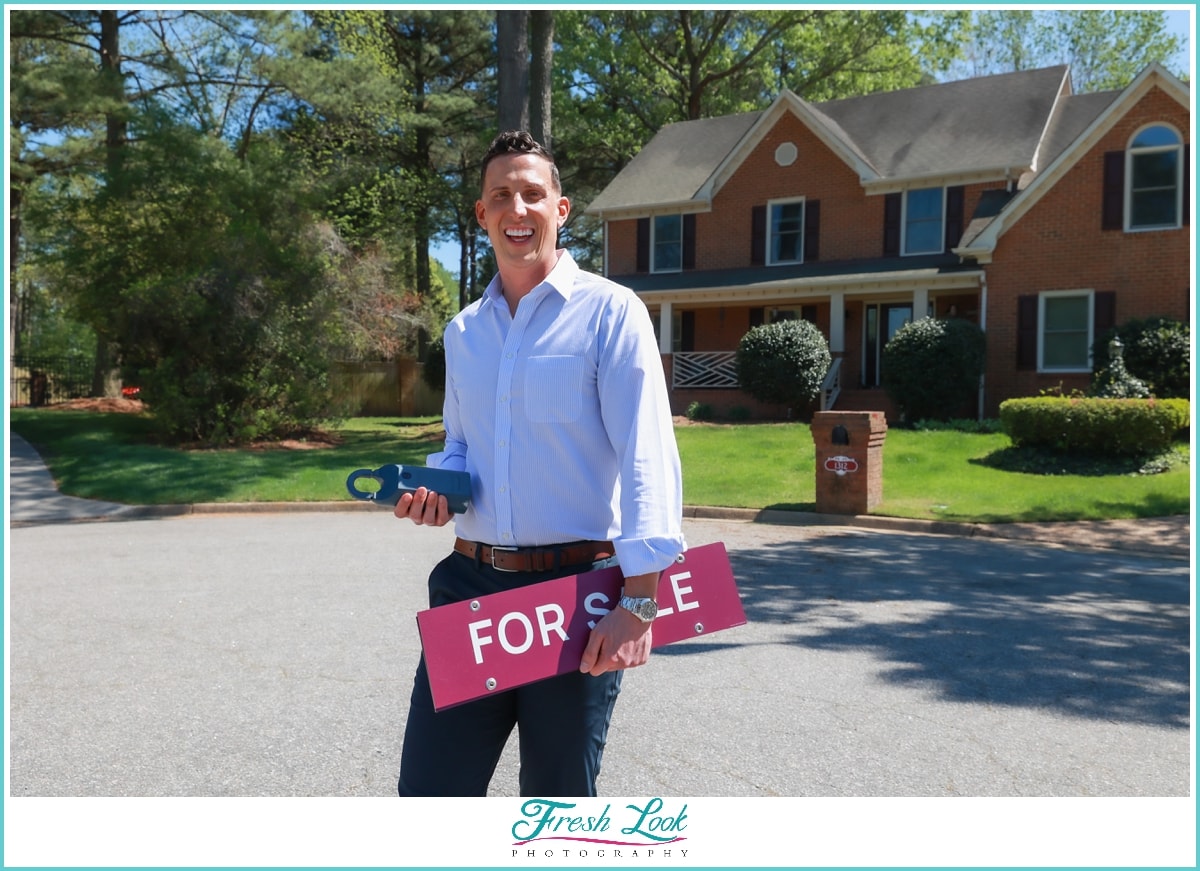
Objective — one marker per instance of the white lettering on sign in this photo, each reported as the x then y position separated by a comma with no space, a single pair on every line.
550,618
589,605
679,592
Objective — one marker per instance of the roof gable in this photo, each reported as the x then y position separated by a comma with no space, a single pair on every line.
1089,117
825,129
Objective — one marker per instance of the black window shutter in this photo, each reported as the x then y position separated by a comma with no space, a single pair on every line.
643,245
954,215
1113,216
1104,313
1027,331
689,241
757,317
812,230
758,235
891,225
687,341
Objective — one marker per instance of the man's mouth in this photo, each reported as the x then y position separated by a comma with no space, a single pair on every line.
519,234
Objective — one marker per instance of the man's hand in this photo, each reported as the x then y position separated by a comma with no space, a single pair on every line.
620,640
424,508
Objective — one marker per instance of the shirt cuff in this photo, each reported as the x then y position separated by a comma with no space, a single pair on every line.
641,556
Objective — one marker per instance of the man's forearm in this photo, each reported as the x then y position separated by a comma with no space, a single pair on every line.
642,586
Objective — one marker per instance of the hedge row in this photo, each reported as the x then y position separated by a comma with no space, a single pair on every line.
1126,427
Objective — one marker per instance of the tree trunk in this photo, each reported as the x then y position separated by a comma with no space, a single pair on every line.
16,308
512,43
541,65
115,141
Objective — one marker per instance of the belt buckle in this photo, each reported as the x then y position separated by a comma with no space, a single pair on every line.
510,549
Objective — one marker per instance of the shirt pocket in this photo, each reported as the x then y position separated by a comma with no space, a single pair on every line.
553,389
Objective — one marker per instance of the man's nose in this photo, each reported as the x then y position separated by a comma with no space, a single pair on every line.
519,204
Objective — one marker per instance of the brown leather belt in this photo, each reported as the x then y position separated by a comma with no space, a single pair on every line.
535,559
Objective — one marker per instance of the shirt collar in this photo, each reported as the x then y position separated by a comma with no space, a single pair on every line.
561,280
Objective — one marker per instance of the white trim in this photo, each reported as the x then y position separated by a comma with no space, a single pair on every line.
865,284
768,258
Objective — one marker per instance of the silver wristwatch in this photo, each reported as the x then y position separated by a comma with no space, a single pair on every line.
645,609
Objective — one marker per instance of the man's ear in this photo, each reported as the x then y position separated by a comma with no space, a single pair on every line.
479,213
564,209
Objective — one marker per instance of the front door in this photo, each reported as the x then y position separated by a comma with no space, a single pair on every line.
881,322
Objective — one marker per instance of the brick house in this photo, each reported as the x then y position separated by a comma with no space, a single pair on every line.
1044,216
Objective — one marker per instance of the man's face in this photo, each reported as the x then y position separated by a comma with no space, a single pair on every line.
522,212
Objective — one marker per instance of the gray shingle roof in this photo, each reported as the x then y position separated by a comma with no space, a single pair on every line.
993,122
676,163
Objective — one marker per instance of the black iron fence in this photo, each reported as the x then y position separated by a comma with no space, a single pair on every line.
37,381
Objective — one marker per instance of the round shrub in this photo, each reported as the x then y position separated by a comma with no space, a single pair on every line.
931,367
1156,350
783,363
1120,427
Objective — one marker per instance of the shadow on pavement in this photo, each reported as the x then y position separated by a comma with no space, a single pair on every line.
1086,635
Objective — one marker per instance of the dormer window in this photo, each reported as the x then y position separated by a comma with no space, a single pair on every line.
1154,174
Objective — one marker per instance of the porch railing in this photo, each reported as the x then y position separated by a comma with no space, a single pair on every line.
832,385
704,369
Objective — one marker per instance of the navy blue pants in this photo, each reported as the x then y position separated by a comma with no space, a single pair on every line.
562,723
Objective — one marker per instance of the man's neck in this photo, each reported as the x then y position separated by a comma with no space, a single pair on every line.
515,284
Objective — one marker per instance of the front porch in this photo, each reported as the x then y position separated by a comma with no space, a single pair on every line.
698,340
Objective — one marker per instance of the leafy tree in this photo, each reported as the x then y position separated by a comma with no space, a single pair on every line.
783,363
205,270
411,118
931,367
1106,48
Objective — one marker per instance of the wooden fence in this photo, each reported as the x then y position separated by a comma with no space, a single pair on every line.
385,389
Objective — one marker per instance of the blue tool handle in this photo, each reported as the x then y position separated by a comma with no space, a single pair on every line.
394,480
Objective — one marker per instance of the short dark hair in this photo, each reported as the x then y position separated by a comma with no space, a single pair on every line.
518,142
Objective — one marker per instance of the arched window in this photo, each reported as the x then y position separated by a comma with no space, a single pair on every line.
1154,179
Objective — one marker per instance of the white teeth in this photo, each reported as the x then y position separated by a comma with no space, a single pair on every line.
520,231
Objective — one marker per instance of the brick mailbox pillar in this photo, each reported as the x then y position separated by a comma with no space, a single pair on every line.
849,447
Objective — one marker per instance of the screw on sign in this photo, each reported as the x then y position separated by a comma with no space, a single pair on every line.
840,465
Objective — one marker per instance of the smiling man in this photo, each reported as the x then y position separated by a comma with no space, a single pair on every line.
557,406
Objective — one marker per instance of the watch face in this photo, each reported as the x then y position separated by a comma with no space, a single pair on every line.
644,609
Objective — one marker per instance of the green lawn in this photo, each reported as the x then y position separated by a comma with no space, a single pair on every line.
944,475
927,475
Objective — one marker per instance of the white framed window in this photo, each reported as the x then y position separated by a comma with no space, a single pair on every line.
666,243
924,221
1065,319
1154,179
785,231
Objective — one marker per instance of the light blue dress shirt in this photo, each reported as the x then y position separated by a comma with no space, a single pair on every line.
561,416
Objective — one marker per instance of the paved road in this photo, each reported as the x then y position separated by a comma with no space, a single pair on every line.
270,655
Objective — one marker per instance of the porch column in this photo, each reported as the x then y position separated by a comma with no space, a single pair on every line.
665,339
920,304
837,323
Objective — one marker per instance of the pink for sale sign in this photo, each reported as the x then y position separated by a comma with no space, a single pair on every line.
495,643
